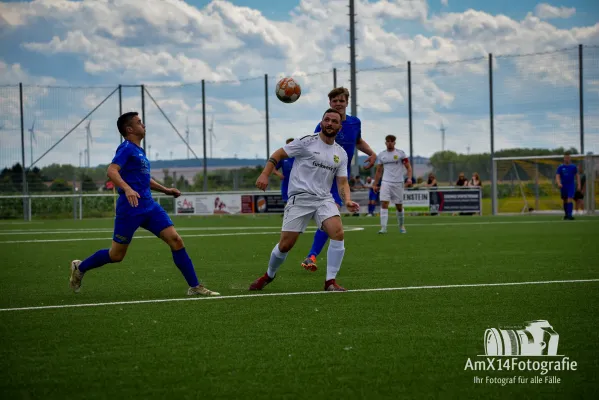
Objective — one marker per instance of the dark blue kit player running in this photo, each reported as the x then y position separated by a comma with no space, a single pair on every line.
568,180
135,208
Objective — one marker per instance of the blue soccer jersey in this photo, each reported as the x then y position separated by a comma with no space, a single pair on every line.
567,174
286,165
135,170
348,137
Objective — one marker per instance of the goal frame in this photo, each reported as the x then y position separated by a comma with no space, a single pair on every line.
591,163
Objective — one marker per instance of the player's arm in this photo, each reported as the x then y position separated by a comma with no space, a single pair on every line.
406,163
377,177
115,176
272,162
162,189
558,179
365,148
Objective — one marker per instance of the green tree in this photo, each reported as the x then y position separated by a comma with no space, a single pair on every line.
60,185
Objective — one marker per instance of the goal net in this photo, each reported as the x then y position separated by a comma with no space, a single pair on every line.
527,184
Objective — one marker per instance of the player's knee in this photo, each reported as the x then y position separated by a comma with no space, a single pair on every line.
285,245
336,232
176,242
117,255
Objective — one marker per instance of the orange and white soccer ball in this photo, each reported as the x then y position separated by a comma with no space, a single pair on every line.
288,90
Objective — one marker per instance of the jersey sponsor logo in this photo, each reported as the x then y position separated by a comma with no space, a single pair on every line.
320,165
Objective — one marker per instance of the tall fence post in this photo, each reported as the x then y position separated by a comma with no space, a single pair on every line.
334,78
204,134
267,116
581,105
492,137
143,113
410,113
24,172
121,107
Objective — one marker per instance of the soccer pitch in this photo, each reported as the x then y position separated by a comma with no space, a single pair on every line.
416,311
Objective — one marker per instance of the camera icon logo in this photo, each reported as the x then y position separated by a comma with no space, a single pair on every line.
536,338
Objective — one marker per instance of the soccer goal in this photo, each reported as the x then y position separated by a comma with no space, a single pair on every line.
527,184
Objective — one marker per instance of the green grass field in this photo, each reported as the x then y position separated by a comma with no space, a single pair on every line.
418,311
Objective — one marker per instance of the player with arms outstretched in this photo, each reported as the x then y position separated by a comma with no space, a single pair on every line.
319,161
568,180
285,165
130,172
350,138
390,166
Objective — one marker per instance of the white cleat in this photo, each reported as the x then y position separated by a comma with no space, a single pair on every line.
382,231
403,230
200,290
76,276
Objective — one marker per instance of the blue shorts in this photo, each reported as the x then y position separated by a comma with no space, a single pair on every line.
335,193
372,196
568,191
153,220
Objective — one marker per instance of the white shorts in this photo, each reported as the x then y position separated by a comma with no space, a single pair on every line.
392,192
300,209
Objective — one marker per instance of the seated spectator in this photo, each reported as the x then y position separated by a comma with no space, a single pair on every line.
358,184
432,181
475,181
462,181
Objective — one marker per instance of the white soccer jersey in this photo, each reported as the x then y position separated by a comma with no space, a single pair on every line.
315,166
393,168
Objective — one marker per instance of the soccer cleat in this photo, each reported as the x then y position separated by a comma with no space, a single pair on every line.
331,286
259,283
76,276
382,231
309,263
201,290
403,230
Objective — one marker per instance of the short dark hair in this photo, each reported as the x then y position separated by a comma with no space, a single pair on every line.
332,110
339,91
390,138
124,121
289,140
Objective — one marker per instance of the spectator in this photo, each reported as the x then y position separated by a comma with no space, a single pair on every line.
462,181
579,194
475,181
358,184
432,181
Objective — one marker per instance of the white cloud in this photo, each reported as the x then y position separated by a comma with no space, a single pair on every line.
445,3
546,11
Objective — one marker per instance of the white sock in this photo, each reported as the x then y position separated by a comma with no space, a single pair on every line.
384,217
276,260
400,218
335,254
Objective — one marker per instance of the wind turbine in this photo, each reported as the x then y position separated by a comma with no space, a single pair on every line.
187,137
212,135
31,140
89,138
442,129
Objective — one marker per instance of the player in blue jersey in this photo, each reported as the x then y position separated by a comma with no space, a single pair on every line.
130,172
350,138
568,180
285,166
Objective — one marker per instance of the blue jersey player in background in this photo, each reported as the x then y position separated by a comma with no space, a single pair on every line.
285,165
135,207
568,180
350,138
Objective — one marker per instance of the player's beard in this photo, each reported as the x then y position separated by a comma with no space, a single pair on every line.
330,132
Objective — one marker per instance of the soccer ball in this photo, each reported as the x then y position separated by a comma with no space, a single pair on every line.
288,90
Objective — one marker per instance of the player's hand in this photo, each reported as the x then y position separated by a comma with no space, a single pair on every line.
174,192
409,182
375,188
369,163
352,206
559,185
262,182
578,188
132,197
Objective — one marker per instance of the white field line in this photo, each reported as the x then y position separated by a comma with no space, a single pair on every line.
225,228
249,296
278,232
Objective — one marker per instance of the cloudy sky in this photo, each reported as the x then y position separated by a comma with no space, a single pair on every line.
71,56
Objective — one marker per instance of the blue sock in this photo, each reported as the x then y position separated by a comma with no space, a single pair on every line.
569,208
320,239
370,208
183,262
99,258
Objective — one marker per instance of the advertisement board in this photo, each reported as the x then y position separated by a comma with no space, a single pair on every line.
208,204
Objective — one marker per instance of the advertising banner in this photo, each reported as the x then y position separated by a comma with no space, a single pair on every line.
455,200
268,203
208,204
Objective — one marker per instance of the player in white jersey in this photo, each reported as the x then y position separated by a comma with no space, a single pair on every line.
391,164
318,161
